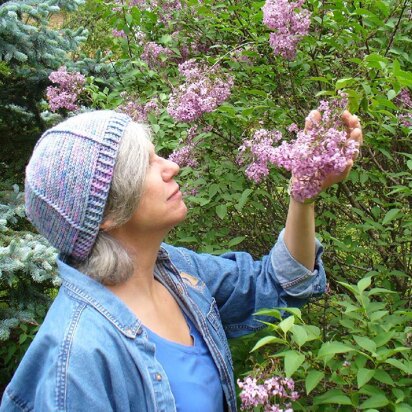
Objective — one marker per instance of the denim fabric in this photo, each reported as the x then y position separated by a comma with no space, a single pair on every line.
92,353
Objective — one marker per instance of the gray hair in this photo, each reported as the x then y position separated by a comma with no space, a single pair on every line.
109,262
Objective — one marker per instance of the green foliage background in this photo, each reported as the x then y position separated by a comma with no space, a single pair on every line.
350,350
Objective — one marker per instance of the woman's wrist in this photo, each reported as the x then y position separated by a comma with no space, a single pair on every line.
309,201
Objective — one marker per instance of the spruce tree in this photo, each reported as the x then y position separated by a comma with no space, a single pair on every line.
30,48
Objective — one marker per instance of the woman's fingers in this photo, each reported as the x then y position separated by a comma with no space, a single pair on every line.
313,117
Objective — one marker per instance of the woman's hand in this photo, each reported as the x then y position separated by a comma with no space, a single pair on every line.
354,132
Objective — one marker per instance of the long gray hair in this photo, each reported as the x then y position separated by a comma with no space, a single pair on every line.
109,262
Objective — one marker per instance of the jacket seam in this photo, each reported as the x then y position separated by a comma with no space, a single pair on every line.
298,280
79,295
64,356
17,401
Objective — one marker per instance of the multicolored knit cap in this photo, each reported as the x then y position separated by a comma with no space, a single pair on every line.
68,179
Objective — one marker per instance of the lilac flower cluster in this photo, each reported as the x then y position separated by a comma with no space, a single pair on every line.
118,33
274,395
65,94
404,101
185,155
203,90
138,112
290,23
155,55
316,153
260,147
324,149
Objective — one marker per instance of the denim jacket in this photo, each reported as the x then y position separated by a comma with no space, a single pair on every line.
92,354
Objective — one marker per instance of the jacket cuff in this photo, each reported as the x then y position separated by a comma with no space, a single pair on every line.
295,279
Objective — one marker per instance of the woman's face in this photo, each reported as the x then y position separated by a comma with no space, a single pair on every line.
161,206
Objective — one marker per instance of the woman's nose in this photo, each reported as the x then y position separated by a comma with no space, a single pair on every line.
171,169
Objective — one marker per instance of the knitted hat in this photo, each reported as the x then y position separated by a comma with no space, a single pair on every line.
68,179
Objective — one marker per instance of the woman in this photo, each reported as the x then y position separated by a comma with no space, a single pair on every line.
139,325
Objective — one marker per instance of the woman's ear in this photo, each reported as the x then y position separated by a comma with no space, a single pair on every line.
106,225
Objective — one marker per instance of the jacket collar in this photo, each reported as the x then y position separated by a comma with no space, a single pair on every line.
101,298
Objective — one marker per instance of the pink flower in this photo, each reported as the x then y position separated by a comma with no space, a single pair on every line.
118,33
155,55
274,394
315,153
201,93
185,155
289,22
137,111
65,94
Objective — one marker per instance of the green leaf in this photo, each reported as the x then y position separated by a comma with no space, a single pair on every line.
341,83
350,287
294,311
383,376
332,348
274,313
235,241
364,376
293,360
22,338
312,380
266,341
256,92
287,323
299,334
364,283
365,343
398,364
221,211
391,94
378,315
391,215
333,396
403,407
243,199
375,401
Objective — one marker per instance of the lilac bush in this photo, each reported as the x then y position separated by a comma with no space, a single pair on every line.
65,94
204,89
404,101
321,150
290,23
137,111
156,55
185,155
273,395
260,147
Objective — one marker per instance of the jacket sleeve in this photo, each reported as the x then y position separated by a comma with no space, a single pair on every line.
241,285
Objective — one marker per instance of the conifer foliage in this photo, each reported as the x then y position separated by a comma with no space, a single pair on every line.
30,48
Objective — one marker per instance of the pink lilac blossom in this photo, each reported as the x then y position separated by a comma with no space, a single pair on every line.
293,128
404,101
156,55
405,120
290,23
322,150
260,147
137,111
66,93
118,33
274,394
185,155
202,92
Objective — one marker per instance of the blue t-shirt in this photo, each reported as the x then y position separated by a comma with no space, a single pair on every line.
192,373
